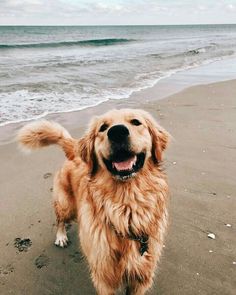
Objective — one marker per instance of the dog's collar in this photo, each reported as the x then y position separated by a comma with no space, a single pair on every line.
142,239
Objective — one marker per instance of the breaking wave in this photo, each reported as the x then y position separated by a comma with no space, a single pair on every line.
92,42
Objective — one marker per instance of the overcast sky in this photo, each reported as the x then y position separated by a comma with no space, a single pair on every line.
108,12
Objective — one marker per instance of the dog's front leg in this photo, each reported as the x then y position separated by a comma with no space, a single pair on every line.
102,287
61,236
64,206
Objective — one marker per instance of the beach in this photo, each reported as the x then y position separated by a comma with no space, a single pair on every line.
55,69
200,164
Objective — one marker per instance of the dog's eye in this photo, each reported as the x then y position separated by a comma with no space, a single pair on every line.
103,127
135,122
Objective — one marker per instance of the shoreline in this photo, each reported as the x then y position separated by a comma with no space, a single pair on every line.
204,74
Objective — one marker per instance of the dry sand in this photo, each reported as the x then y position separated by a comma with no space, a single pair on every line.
202,174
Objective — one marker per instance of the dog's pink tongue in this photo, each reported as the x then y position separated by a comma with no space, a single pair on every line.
125,165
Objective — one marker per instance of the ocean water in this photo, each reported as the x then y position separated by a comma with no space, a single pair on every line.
59,69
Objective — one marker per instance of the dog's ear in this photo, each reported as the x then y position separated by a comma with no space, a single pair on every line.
160,138
86,149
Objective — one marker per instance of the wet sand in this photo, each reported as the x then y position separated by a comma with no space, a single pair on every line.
200,164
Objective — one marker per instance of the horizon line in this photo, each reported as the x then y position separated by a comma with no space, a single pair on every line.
107,25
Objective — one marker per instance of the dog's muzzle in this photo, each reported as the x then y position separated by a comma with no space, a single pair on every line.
123,162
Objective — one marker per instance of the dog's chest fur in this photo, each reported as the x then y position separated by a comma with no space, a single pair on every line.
107,214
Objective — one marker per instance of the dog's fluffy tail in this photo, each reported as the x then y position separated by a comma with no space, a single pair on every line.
43,133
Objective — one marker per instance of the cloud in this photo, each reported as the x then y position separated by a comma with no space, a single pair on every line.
116,11
202,7
38,7
230,7
60,6
62,10
106,8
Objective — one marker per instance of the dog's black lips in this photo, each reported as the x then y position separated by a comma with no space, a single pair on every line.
124,155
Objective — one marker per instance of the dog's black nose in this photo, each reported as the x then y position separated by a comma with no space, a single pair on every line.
118,133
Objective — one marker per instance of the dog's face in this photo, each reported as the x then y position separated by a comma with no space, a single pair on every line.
121,141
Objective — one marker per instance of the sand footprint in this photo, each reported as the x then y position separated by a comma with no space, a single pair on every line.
77,257
47,175
22,245
6,270
42,261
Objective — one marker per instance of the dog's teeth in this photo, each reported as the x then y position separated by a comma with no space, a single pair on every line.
125,165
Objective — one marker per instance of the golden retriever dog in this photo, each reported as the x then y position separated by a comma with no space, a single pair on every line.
112,183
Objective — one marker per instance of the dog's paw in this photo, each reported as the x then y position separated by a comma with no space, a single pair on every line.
61,240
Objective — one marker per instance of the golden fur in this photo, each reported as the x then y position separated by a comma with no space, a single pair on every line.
105,206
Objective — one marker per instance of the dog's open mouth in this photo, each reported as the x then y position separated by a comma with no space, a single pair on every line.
125,164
